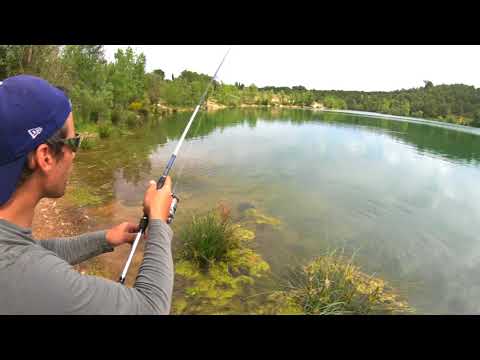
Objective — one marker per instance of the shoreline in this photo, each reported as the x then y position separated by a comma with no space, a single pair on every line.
320,107
438,123
93,132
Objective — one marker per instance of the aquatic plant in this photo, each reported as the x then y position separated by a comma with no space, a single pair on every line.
105,130
217,265
88,142
259,218
332,284
208,238
81,195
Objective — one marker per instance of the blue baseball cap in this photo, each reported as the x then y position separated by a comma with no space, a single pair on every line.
31,111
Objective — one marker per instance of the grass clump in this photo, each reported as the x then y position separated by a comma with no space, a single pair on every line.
131,119
209,238
89,141
105,130
259,218
332,285
87,144
216,266
82,196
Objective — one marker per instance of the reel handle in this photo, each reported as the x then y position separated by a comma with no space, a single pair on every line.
173,208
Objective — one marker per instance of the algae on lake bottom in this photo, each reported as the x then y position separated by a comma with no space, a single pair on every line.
331,285
220,288
259,218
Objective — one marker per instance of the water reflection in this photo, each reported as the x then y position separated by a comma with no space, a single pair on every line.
402,194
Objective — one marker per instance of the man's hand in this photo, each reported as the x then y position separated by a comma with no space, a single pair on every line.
156,203
121,234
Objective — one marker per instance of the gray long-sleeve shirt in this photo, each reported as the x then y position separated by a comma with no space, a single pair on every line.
37,277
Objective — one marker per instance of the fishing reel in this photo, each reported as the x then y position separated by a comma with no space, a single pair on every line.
173,208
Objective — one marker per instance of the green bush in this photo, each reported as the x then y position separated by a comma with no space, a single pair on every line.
131,119
88,143
135,106
333,102
208,238
144,113
334,285
105,130
117,117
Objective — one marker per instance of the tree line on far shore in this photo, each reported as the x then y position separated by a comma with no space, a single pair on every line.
122,91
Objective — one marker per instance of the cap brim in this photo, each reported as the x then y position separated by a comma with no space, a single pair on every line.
9,176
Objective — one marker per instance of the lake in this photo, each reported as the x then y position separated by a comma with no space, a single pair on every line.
401,195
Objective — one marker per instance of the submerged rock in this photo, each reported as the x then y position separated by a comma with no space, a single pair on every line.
245,206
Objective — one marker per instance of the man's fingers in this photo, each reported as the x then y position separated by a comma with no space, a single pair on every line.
152,185
168,183
132,228
130,237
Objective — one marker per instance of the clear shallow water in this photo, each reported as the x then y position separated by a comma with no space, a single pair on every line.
403,195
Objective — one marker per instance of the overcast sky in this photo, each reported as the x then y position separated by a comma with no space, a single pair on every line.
340,67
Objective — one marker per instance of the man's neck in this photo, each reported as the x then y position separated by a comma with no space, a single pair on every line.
19,210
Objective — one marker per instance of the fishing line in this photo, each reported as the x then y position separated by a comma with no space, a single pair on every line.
144,220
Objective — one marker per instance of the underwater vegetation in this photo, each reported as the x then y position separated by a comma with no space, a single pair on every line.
208,239
332,284
81,195
219,271
216,266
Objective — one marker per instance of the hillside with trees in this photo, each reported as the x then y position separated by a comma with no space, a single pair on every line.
122,91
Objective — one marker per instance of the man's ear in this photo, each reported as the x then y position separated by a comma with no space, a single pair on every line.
43,158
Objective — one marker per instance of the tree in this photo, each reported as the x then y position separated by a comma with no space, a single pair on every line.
299,88
428,84
3,62
160,73
127,75
333,102
155,87
38,60
86,64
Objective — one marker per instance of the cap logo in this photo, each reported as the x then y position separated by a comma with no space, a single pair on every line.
35,132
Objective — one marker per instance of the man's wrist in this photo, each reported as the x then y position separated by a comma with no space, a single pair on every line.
108,238
157,216
105,243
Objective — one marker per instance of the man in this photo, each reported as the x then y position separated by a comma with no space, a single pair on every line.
37,148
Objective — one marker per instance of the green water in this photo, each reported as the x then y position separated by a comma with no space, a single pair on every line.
403,195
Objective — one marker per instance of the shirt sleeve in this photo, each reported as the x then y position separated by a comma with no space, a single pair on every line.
59,289
77,249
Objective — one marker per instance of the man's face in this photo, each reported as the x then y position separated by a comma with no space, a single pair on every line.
58,177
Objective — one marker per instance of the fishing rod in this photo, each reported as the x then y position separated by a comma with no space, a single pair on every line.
173,207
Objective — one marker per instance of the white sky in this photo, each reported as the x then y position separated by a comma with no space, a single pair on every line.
322,67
